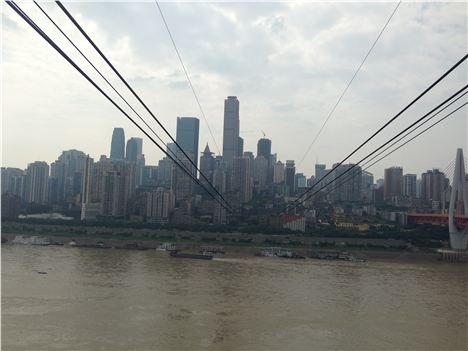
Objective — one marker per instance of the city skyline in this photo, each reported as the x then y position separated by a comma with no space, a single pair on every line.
234,175
171,146
362,110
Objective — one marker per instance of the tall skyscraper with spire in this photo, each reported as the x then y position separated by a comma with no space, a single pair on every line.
118,144
231,129
207,164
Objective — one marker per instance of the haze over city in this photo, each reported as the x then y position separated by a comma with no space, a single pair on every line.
287,63
234,176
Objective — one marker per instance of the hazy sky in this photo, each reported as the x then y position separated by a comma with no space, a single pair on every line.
286,62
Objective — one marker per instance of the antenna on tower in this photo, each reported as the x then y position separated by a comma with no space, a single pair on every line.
263,133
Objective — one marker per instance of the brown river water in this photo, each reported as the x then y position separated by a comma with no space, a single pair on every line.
96,299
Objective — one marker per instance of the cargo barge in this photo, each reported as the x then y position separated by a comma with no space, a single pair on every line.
176,253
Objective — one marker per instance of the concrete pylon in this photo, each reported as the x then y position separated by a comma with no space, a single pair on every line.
458,237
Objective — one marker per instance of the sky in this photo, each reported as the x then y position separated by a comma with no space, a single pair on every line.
286,62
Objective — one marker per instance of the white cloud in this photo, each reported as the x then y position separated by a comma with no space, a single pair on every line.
286,63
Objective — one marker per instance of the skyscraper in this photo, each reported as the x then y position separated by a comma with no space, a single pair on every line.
182,183
289,173
242,179
393,182
300,181
159,204
264,149
231,129
207,165
347,189
36,182
12,181
278,173
260,172
367,185
409,186
134,149
118,189
118,144
434,185
187,137
66,175
134,153
320,171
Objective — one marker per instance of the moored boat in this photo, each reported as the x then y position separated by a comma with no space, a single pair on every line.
177,253
214,250
166,247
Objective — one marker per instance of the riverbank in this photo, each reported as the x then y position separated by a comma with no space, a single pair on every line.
233,250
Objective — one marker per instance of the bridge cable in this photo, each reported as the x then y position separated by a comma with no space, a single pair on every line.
298,201
348,85
187,75
355,165
384,126
33,25
108,83
397,148
415,128
77,25
386,155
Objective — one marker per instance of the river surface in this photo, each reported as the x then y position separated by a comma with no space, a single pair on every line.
95,299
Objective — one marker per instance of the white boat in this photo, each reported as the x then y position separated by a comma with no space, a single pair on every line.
31,240
166,247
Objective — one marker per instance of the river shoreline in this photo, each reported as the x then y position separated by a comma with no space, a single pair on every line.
232,250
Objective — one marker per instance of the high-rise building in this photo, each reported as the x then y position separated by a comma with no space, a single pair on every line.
278,173
182,184
118,144
134,149
113,194
87,180
11,206
348,187
418,188
134,153
187,137
36,182
150,175
367,185
171,149
165,172
118,188
219,175
393,182
289,173
12,181
242,179
67,172
434,185
264,148
240,147
260,172
207,165
231,129
320,171
300,181
90,200
96,183
159,204
409,186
